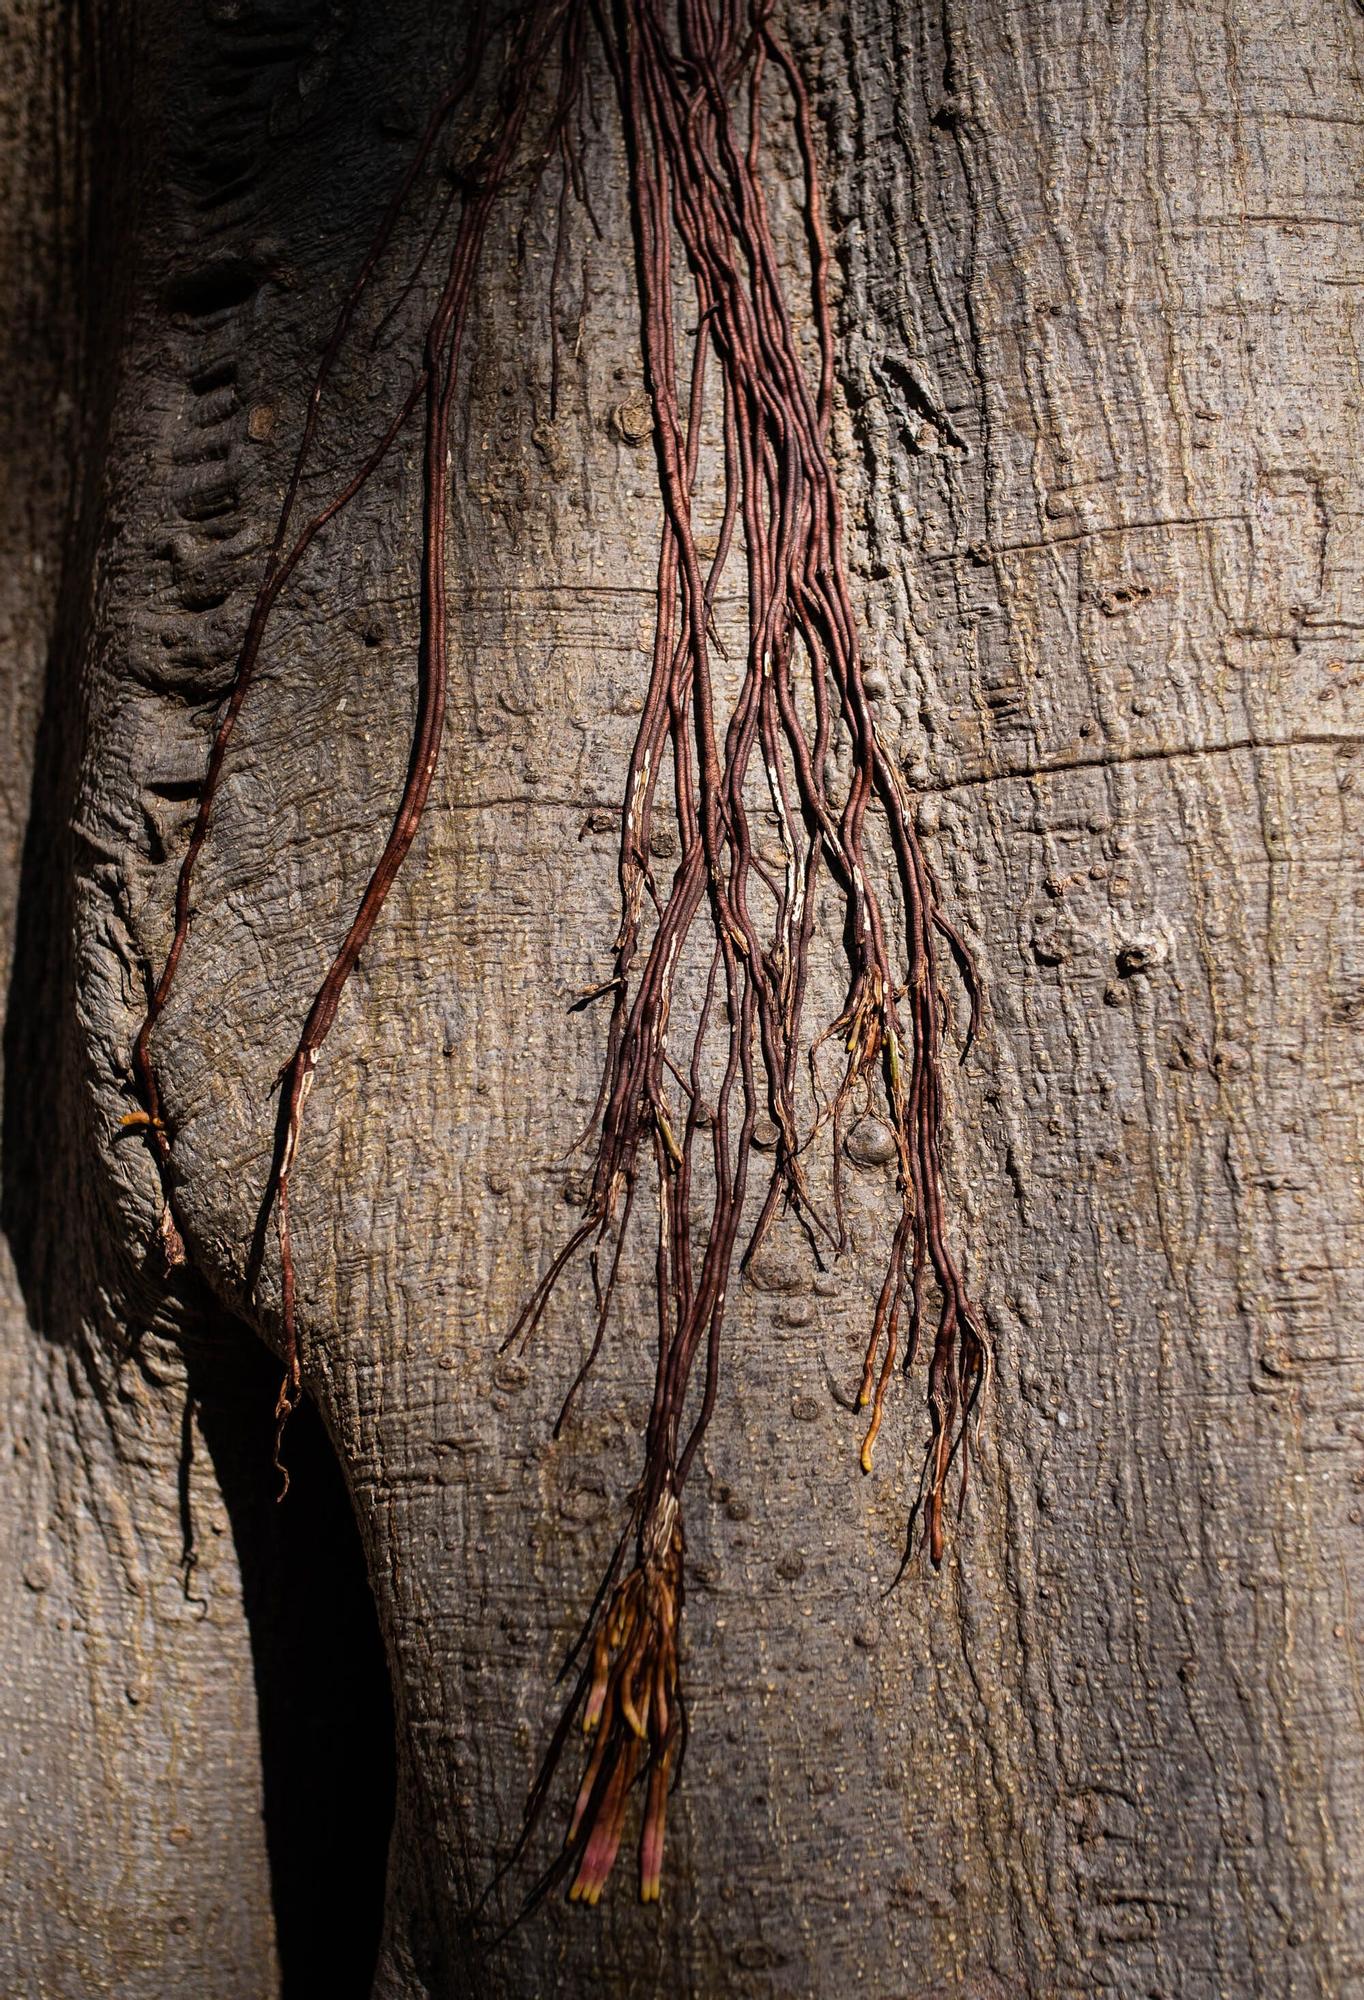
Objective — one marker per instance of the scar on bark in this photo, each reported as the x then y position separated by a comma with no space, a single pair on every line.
724,943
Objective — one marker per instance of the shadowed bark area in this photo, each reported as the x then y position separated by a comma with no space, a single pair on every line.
1097,427
179,1658
323,1700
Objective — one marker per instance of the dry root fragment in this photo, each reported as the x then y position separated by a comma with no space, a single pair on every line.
169,1240
633,1713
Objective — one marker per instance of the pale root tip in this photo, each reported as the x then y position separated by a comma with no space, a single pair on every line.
866,1455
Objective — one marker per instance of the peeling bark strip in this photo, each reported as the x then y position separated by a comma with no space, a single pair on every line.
691,83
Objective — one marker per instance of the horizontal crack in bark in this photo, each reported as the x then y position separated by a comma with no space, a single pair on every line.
1154,754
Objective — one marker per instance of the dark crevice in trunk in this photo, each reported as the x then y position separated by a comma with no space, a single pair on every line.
323,1692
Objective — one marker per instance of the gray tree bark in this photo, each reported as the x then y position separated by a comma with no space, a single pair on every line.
1097,269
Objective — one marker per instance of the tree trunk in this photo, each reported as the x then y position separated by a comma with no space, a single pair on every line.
1098,431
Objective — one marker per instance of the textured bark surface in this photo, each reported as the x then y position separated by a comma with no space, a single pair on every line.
133,1851
1100,429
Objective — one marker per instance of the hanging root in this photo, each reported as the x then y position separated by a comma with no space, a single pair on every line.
675,1110
690,84
434,389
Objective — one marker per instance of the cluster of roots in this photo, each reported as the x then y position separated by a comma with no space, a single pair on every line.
724,944
632,1715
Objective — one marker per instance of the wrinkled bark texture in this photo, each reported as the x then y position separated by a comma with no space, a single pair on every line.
1097,273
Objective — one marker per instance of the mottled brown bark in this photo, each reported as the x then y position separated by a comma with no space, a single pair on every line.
1098,427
